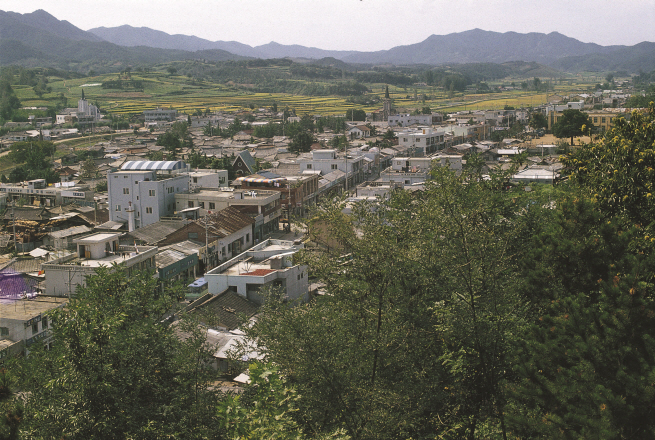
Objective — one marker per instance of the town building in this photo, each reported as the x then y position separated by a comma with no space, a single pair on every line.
144,191
24,322
327,161
263,206
63,275
422,142
270,264
160,114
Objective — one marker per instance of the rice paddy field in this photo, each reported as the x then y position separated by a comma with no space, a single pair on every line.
187,96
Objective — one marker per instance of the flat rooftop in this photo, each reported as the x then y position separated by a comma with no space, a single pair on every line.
24,309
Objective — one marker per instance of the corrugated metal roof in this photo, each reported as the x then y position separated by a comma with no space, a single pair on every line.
147,165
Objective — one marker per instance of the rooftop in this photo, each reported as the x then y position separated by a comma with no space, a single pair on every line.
25,309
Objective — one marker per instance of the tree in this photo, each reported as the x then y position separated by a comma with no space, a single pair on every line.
422,287
572,123
426,110
538,120
301,142
355,115
101,186
584,366
116,371
618,170
89,168
11,411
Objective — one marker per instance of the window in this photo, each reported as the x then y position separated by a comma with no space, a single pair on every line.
201,204
148,210
193,236
334,166
603,120
169,190
595,119
44,322
190,204
126,190
35,328
212,205
118,208
195,180
309,166
4,331
247,238
151,192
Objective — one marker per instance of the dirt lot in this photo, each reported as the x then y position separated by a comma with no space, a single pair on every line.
550,139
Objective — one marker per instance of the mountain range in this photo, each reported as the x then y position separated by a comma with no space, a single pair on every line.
38,38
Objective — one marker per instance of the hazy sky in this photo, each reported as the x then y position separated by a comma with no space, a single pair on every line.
364,25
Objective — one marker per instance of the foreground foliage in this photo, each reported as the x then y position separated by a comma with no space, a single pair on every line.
115,370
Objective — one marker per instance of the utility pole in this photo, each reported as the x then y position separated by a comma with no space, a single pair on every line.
13,223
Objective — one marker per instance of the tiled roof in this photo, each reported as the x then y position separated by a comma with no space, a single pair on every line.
156,232
227,307
226,221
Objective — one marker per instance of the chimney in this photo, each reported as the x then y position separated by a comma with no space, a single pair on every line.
130,218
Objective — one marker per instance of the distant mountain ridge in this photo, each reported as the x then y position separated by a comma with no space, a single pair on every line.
38,37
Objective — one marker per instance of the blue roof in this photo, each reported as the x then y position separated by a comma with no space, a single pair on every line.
147,165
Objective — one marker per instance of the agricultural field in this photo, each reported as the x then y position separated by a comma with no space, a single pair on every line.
189,95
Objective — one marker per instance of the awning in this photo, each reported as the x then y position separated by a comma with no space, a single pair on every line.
261,180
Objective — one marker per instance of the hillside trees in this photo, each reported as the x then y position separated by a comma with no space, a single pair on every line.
175,139
422,305
34,157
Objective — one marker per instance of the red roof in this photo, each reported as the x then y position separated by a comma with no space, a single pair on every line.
259,272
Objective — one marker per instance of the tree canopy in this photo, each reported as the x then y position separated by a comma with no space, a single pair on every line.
572,123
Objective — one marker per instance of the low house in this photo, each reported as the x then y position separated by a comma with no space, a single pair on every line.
97,250
268,264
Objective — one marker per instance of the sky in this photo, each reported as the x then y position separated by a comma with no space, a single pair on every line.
364,25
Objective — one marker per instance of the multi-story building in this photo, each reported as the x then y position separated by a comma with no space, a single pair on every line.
261,205
159,114
297,191
37,192
24,322
145,189
603,120
422,142
327,161
404,120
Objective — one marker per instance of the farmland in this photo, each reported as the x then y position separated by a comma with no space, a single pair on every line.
189,94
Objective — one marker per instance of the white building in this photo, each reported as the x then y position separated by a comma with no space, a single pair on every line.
101,249
268,264
159,114
208,179
422,142
404,120
148,188
24,322
327,161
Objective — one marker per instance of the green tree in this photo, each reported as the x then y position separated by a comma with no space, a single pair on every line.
265,410
89,168
572,123
413,336
116,371
355,115
11,411
301,142
585,366
618,170
426,110
538,120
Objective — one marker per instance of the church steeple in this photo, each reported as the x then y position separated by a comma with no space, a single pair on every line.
386,93
83,93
